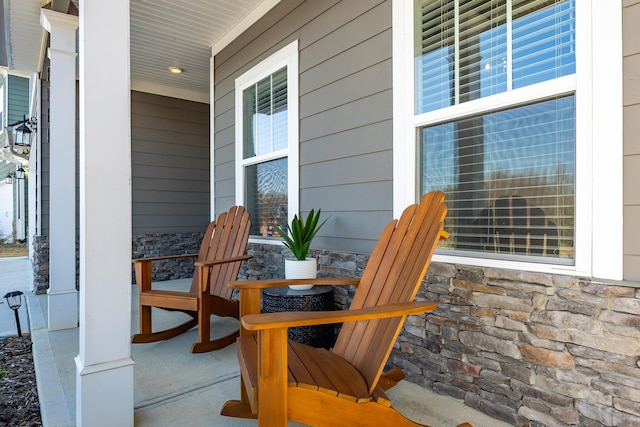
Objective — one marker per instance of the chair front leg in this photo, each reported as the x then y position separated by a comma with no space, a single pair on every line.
249,304
272,378
143,273
204,306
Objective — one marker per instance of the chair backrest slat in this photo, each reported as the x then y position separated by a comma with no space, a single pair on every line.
224,238
394,272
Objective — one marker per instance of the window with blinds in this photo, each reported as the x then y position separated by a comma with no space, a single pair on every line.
508,171
265,134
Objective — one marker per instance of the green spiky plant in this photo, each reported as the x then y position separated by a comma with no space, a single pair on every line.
301,233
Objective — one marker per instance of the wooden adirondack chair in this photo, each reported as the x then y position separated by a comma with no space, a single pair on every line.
284,380
222,251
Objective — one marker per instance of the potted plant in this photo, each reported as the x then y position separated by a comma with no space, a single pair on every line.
297,237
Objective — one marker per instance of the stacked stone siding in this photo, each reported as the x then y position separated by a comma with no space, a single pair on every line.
157,245
40,264
143,246
528,348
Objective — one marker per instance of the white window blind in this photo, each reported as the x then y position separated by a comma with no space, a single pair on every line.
466,50
265,115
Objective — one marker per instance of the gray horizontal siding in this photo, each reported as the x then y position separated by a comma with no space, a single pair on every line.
170,164
345,112
361,112
43,184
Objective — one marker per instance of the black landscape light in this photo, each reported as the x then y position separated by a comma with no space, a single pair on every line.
14,299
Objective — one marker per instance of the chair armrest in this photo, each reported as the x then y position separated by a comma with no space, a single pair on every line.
256,322
274,283
222,261
250,294
203,266
163,258
143,269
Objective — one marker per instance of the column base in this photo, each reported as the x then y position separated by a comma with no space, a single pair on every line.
62,310
104,393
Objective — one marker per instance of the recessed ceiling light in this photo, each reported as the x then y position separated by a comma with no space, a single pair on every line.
176,70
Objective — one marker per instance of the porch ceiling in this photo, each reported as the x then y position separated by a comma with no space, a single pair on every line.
164,33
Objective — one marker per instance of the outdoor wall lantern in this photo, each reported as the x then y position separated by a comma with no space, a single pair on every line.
24,131
21,136
9,179
20,173
14,299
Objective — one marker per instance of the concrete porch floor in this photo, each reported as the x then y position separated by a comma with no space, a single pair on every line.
172,386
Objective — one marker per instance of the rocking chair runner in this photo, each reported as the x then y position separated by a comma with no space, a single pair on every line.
284,380
222,251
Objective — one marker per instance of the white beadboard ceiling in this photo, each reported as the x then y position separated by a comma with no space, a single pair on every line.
164,33
25,36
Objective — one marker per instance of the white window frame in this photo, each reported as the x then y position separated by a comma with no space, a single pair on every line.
3,116
287,56
598,88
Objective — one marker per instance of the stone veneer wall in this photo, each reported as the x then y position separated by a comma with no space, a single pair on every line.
157,245
531,349
40,264
528,348
146,245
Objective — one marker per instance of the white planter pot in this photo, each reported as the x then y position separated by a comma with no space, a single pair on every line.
297,269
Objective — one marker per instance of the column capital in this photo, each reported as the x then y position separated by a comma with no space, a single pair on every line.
51,18
51,52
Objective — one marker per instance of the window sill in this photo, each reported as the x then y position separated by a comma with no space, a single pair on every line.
511,265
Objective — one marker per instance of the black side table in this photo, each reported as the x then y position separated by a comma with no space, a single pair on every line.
318,298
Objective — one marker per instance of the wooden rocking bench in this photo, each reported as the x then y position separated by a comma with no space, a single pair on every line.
284,380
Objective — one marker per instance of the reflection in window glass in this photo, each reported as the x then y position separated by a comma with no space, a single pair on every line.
509,177
266,195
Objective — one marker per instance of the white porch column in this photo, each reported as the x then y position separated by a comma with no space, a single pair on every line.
35,166
104,367
62,294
